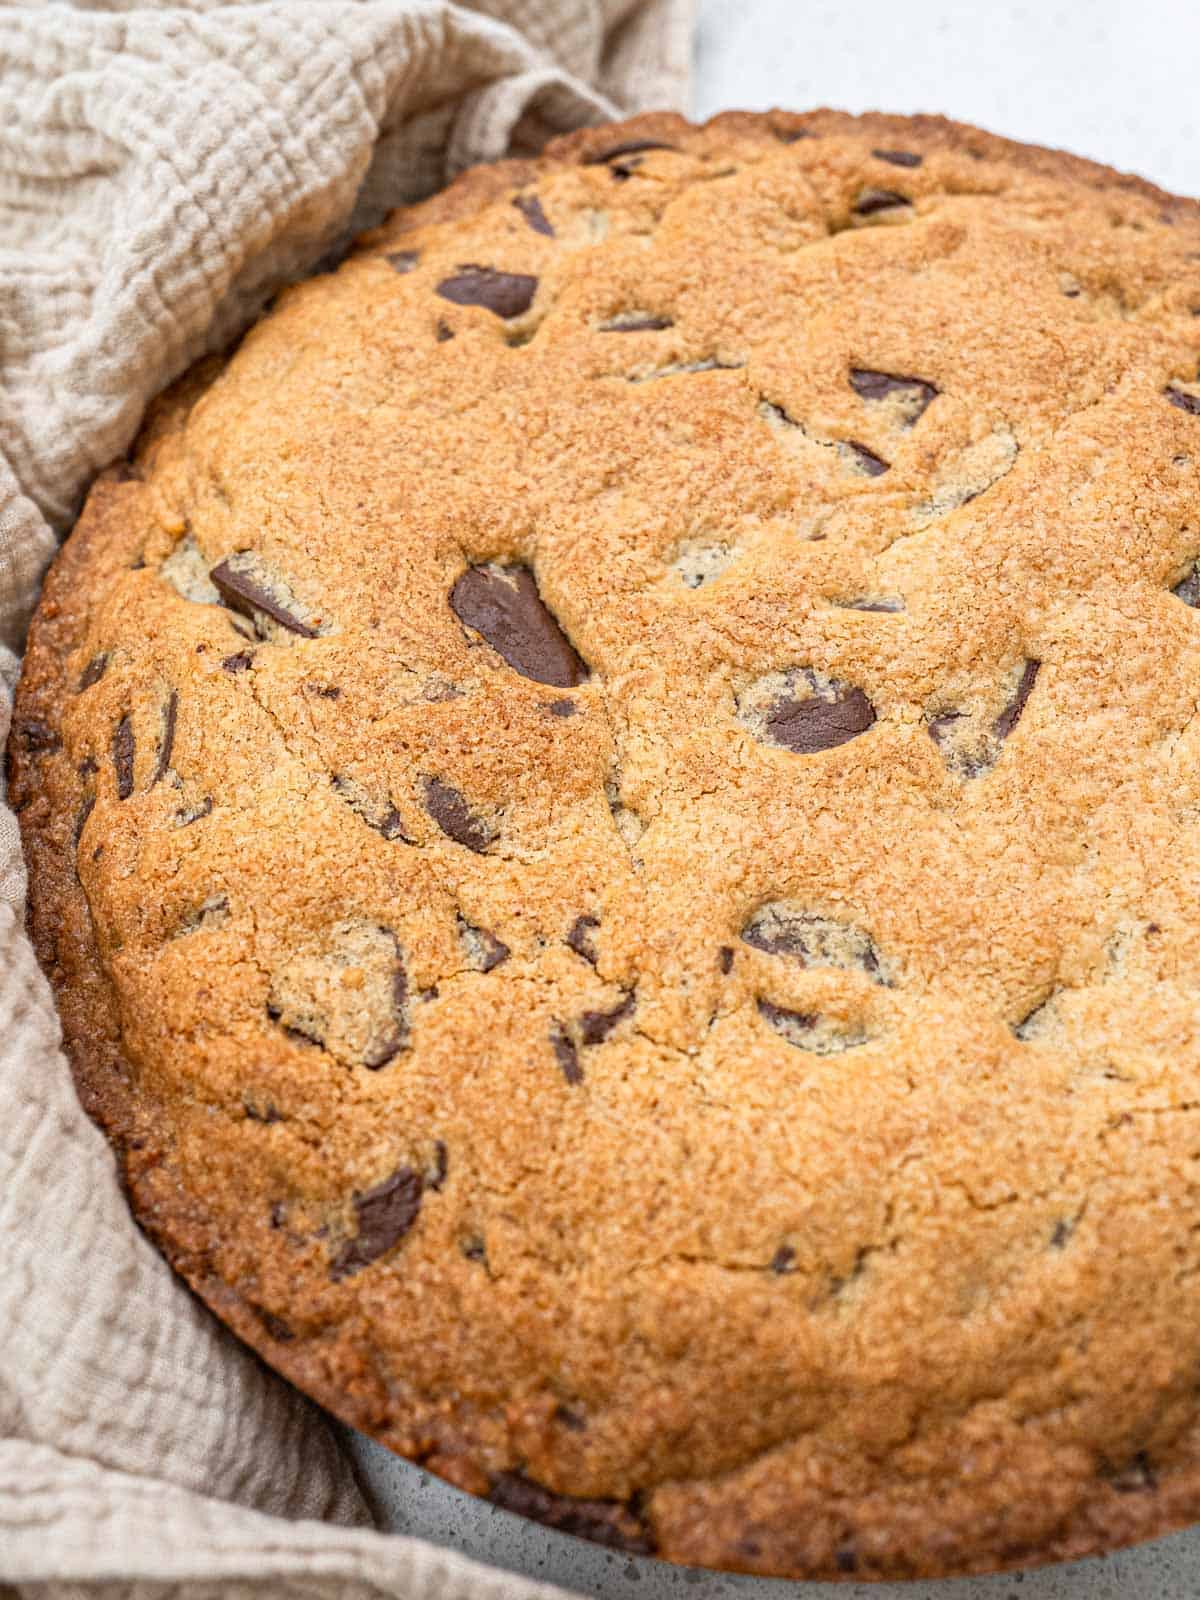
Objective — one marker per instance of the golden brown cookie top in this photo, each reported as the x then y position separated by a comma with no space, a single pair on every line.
612,802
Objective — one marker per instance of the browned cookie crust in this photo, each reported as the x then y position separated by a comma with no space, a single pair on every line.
613,807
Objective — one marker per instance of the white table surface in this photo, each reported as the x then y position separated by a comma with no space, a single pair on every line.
1109,79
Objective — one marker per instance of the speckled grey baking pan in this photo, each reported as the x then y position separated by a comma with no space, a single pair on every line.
408,1500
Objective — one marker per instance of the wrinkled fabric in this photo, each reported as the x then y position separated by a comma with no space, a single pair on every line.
163,168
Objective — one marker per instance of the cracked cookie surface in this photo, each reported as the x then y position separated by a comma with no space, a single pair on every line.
612,802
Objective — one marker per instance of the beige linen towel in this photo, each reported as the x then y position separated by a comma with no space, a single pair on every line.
163,167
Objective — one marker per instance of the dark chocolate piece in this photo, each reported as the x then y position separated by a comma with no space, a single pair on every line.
503,604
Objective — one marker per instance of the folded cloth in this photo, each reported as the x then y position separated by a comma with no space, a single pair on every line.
163,168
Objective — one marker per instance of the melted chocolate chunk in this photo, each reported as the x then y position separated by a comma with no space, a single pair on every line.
385,1214
93,672
123,751
37,738
580,937
1189,590
275,1327
403,260
899,158
449,809
783,1020
530,208
866,460
595,1026
238,663
566,1054
486,952
1010,716
1185,402
82,815
503,604
630,147
780,928
240,592
822,719
871,201
505,294
167,743
917,392
190,814
606,1522
637,324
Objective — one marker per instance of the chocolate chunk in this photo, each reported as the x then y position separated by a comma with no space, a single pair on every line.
566,1054
580,937
444,332
267,1115
123,750
570,1419
785,1021
506,294
329,692
562,708
783,1260
725,959
189,814
1062,1232
607,1522
1010,716
275,1327
899,158
242,593
449,809
917,393
474,1250
391,825
403,260
637,324
872,201
385,1214
595,1026
484,950
93,672
846,1559
37,738
167,742
82,815
385,820
809,713
1185,402
238,663
530,208
865,460
389,1047
503,604
792,135
631,147
1189,590
781,928
87,768
441,1165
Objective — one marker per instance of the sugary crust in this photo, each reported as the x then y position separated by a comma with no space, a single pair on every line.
907,1291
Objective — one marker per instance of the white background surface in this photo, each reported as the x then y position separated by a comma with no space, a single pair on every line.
1111,79
1105,78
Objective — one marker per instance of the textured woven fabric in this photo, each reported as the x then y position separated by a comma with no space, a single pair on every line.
163,168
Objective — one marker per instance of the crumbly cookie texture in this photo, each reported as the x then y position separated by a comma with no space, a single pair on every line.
613,803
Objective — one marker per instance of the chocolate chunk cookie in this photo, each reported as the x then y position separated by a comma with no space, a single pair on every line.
611,804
